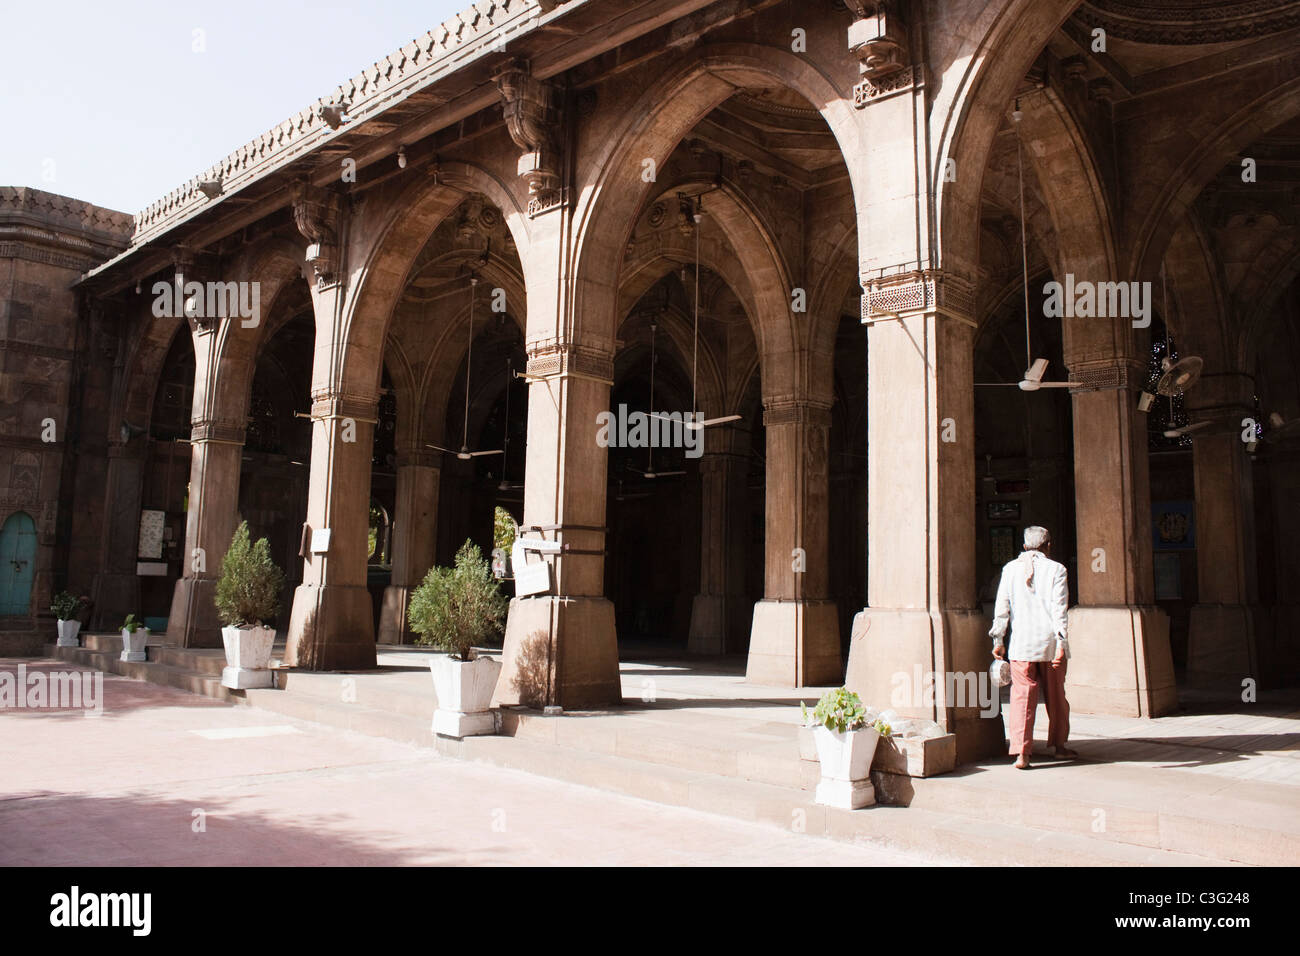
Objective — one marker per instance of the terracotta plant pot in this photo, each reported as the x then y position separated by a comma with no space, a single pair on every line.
248,654
68,631
464,694
846,767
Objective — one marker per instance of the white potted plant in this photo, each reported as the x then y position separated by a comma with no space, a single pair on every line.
453,609
248,595
65,608
846,743
134,638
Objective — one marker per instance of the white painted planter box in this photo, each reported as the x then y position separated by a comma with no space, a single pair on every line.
846,767
248,656
133,643
68,631
464,692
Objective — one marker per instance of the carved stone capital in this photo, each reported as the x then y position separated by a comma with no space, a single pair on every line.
783,410
328,403
929,290
316,213
531,108
217,431
553,358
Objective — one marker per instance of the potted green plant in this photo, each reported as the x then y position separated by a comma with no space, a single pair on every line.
66,607
453,609
846,743
134,638
248,595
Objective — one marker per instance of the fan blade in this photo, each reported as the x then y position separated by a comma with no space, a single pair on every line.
667,474
440,448
1060,385
718,421
996,384
476,454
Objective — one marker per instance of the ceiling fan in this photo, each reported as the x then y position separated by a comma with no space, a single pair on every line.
465,454
1176,376
697,421
1033,379
650,451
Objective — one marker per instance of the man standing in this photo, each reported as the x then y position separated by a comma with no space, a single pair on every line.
1033,598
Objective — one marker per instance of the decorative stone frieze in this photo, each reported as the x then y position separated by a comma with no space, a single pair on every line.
872,89
216,430
946,293
790,411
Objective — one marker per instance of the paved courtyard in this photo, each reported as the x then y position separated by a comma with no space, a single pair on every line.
166,777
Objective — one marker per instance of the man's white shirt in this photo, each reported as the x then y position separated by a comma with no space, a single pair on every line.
1036,613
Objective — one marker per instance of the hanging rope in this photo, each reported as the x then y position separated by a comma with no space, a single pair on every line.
469,357
1024,241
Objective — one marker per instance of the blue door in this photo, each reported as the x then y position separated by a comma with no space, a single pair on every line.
17,564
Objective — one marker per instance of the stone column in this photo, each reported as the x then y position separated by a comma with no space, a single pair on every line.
216,451
1226,623
415,525
332,625
116,589
717,609
922,644
1119,640
795,640
561,647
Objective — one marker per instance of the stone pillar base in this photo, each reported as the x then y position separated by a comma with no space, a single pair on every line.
193,619
780,630
242,678
891,666
453,723
559,651
394,628
1223,647
1279,644
1120,662
332,628
708,625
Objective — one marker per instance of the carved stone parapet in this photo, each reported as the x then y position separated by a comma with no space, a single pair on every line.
945,293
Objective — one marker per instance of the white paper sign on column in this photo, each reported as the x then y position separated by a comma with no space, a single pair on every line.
532,578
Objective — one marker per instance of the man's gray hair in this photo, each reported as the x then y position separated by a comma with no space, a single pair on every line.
1036,537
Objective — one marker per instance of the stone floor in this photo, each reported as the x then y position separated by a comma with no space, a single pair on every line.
1214,783
130,788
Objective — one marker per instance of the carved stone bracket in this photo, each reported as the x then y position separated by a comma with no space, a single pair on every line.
326,403
531,108
871,90
945,293
878,38
315,211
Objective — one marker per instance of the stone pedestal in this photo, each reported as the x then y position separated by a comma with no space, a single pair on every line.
795,644
242,678
1120,662
559,652
331,628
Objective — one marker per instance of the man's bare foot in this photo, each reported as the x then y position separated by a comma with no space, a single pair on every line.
1022,762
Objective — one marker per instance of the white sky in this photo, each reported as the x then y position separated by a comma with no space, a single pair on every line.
111,100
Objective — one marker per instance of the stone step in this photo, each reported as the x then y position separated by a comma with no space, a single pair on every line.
355,717
409,694
204,660
979,841
112,641
166,675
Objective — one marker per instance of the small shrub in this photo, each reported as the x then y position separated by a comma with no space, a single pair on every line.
248,592
840,710
131,625
65,606
455,608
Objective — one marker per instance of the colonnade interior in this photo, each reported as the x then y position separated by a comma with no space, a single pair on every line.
751,220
